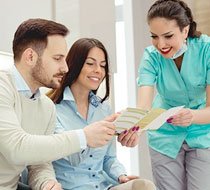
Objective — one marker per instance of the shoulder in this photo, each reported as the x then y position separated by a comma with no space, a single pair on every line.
151,59
46,100
95,101
47,103
151,52
7,86
152,56
61,106
6,78
203,38
199,47
202,41
105,107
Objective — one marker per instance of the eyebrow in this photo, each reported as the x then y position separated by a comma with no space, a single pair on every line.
60,55
95,59
164,34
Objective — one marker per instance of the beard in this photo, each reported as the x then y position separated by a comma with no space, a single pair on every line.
41,77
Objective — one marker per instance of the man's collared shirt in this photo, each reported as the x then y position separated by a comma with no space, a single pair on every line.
22,86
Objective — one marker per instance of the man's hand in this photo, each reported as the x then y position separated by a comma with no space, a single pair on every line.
129,138
52,185
99,133
124,178
112,117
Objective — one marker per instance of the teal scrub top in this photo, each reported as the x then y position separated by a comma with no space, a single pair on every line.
175,88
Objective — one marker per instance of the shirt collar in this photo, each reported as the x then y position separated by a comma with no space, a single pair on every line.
67,94
93,99
22,86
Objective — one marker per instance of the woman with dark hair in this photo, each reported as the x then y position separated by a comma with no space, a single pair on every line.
78,105
76,60
178,64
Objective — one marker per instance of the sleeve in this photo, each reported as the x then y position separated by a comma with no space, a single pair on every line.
111,165
147,71
208,66
38,175
19,147
79,132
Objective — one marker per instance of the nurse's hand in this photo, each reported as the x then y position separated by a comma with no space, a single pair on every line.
129,138
183,118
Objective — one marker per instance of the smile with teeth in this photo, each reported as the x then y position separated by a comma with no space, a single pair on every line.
166,50
94,78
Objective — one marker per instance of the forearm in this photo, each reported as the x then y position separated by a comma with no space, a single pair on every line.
113,167
145,97
39,175
22,148
201,116
111,164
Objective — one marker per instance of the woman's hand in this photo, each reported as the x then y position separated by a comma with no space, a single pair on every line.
52,185
183,118
129,138
125,178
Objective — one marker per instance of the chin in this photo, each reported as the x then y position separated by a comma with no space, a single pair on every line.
54,85
96,87
167,56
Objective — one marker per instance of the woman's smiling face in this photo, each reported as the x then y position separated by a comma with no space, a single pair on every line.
166,35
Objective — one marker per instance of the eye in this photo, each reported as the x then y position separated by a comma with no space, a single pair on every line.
57,58
169,36
103,66
153,37
89,63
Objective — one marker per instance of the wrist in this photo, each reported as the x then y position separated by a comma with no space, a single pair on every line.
120,177
193,112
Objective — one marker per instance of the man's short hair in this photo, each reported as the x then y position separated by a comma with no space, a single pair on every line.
33,33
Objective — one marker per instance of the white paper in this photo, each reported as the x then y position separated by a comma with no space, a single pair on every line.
159,121
129,119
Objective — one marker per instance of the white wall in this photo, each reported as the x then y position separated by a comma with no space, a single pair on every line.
92,18
12,13
68,13
137,38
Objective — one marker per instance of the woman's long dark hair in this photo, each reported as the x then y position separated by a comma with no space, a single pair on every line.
174,10
75,61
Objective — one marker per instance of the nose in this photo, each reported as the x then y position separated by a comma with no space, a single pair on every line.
64,67
97,68
161,43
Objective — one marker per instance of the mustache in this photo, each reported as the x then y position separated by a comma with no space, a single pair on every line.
61,74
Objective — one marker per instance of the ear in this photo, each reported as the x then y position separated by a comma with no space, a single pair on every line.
30,57
186,31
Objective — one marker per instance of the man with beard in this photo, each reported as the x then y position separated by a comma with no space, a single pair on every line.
27,118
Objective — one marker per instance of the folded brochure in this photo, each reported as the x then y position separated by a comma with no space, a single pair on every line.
146,120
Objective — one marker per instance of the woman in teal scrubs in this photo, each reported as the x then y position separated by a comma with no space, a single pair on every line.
178,65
